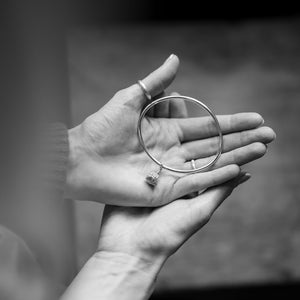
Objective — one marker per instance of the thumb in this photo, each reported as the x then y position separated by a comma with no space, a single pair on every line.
161,78
155,83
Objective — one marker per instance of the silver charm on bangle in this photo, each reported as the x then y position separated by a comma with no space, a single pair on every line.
193,164
152,177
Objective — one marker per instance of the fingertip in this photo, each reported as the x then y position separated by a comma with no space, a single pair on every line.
173,61
225,174
257,118
233,169
253,119
268,135
271,133
260,149
242,179
173,57
246,177
157,81
170,57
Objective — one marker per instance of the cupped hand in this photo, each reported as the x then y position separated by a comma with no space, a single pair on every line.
153,234
107,163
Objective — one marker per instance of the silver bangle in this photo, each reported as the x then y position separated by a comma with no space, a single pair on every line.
160,164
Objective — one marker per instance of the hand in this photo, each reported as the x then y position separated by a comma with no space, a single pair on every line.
153,234
135,242
108,165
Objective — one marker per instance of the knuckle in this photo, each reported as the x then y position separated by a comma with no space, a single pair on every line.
243,137
212,144
236,157
123,93
211,127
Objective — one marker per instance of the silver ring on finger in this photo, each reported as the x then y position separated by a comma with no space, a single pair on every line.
144,89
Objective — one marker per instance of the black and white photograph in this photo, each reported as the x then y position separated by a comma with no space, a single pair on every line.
149,150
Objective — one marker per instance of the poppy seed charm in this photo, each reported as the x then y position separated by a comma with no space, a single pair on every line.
152,177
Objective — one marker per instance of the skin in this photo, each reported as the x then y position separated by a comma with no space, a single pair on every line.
154,234
135,242
106,158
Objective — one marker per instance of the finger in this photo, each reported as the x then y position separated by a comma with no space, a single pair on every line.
199,181
161,78
151,111
161,110
208,147
204,205
188,216
239,156
178,107
155,83
198,128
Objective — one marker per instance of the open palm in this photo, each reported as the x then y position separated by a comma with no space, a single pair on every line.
109,161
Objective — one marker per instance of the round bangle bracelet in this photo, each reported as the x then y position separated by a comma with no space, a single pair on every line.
161,165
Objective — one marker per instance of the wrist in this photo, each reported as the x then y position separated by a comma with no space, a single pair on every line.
131,277
149,267
114,275
152,258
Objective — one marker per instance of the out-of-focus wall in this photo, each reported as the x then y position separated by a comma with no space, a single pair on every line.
253,66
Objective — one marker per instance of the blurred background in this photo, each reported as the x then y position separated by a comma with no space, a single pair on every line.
237,58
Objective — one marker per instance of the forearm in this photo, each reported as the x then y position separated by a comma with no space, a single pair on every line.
113,276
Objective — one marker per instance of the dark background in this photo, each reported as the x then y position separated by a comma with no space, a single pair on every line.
95,12
131,11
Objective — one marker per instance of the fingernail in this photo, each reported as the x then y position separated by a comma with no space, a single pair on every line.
244,178
170,57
